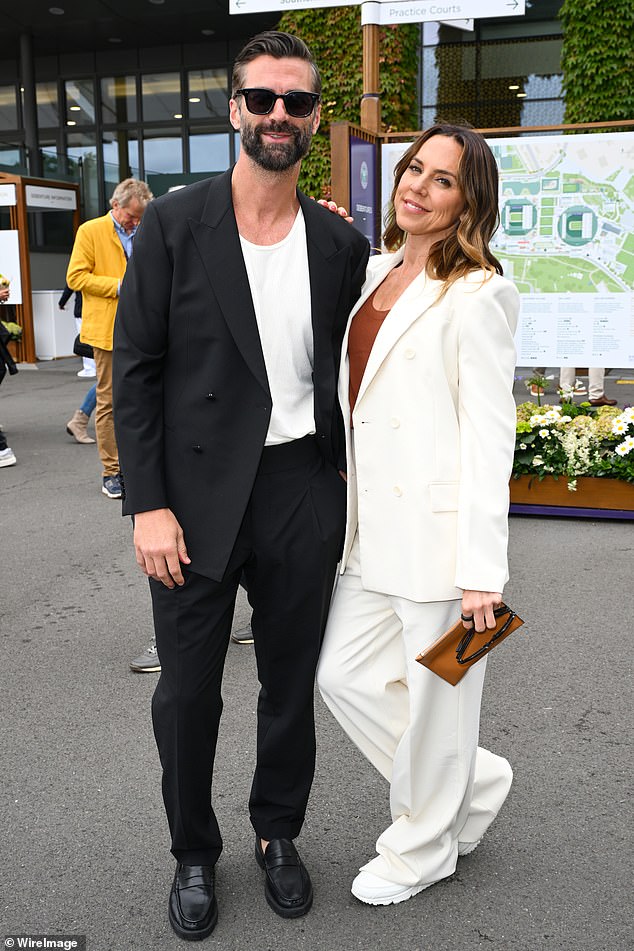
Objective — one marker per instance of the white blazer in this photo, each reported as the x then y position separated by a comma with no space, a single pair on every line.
430,457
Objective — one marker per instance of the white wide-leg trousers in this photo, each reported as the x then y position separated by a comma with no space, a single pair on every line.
418,731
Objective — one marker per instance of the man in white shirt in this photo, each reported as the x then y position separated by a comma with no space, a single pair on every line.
227,347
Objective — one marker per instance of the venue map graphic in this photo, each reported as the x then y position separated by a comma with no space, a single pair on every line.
566,238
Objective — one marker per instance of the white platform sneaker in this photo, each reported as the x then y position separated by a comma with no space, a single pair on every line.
378,891
466,848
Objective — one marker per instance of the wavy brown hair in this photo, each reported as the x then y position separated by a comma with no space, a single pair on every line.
466,248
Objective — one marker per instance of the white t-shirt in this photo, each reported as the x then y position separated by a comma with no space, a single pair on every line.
280,288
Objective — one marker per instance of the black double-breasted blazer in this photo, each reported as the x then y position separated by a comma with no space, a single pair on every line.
191,397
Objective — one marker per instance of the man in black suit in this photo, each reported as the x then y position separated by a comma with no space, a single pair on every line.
227,346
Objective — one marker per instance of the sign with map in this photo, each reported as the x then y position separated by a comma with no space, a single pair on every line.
566,238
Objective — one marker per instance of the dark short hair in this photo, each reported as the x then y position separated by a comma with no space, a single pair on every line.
279,46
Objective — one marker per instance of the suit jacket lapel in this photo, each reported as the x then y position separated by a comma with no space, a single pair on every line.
326,264
411,305
218,242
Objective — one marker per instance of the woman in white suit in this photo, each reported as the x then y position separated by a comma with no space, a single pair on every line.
426,386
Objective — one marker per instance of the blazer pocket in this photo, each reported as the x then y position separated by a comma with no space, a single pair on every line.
443,496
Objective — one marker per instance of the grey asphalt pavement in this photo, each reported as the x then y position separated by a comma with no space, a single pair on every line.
84,838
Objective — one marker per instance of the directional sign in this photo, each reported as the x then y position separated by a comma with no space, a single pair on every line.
459,24
406,11
399,11
265,6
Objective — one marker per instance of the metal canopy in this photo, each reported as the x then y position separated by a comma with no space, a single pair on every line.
118,24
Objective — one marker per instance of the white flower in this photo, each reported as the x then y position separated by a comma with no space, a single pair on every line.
544,433
536,421
626,446
565,419
629,413
572,485
522,445
538,461
620,425
553,415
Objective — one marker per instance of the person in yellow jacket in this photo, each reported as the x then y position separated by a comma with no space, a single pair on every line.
97,265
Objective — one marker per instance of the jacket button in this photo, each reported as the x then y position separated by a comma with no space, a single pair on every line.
409,354
395,423
210,396
397,490
197,448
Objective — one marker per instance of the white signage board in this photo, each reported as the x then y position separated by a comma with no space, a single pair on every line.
7,195
43,196
566,238
10,264
460,10
405,11
267,6
459,24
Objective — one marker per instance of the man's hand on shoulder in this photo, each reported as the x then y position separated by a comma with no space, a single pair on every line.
160,548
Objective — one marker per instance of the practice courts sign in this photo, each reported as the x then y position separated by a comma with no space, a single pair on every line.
399,11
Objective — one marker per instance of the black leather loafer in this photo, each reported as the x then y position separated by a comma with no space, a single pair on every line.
193,909
288,888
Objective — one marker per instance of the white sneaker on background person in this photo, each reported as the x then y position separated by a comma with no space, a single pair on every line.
148,662
7,457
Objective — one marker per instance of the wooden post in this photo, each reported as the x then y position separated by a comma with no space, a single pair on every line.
340,163
371,103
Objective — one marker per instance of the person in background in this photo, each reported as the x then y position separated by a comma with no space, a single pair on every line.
88,364
98,262
244,635
7,363
227,344
77,425
596,385
429,452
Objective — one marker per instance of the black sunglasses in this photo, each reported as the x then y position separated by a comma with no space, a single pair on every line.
261,102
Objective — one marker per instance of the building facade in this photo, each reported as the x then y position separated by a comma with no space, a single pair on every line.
86,102
505,73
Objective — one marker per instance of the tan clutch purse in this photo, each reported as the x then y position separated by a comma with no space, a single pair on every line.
451,655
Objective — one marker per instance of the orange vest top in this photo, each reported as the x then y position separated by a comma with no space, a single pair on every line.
365,325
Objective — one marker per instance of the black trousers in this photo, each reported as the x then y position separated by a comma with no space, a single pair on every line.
288,547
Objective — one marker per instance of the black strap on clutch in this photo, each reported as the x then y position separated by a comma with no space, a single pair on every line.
498,633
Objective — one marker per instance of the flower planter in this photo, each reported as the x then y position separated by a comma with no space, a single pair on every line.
593,498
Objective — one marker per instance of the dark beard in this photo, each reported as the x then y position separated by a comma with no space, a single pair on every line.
275,158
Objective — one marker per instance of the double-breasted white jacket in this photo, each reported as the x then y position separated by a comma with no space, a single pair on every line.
434,434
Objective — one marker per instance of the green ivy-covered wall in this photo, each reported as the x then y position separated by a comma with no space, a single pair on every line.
335,38
598,59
